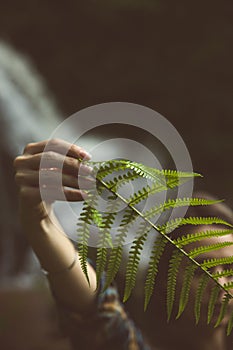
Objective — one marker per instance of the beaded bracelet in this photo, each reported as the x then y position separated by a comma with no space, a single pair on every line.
45,272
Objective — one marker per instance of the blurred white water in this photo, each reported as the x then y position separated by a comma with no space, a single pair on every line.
28,113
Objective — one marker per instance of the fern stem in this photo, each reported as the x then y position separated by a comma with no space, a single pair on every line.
156,228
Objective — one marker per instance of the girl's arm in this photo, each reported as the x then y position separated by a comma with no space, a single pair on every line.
52,247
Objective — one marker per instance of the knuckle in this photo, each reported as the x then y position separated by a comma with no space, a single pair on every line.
72,162
51,155
19,177
74,148
28,147
18,161
53,143
23,192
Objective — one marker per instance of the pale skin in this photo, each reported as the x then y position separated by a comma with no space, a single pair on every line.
51,245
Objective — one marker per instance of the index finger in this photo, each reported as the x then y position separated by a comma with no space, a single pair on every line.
59,146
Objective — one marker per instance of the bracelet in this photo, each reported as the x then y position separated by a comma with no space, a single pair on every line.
45,272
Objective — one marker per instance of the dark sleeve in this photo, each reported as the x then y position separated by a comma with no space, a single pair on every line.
107,327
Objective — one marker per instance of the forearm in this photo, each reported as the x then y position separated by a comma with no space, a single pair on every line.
55,253
60,171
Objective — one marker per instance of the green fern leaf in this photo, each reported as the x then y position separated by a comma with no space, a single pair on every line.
228,286
157,251
208,248
175,203
105,239
198,236
103,169
83,253
184,295
118,181
87,217
230,324
144,193
180,174
174,265
148,173
132,265
223,310
199,295
224,273
212,301
209,263
111,176
116,253
178,222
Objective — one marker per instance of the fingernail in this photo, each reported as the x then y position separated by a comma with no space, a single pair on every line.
85,155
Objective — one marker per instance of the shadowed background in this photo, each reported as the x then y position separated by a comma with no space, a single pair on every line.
173,56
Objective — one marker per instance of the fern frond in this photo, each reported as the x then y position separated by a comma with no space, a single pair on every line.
178,222
145,192
106,168
230,324
103,169
199,295
174,265
198,236
209,263
228,286
176,203
120,180
224,273
132,265
212,301
116,253
105,238
111,176
83,253
88,216
187,279
223,310
208,248
101,259
157,251
180,174
146,172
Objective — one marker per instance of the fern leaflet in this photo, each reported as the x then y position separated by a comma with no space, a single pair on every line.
199,295
157,251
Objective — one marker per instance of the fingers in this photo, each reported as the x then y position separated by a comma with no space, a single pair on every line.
58,146
52,178
52,159
33,194
53,168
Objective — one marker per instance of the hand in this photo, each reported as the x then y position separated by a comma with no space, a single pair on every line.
48,240
58,177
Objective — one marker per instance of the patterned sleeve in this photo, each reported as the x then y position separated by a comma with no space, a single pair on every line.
107,327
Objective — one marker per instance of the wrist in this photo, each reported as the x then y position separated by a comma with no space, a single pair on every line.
35,217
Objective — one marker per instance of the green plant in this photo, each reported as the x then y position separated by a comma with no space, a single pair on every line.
112,178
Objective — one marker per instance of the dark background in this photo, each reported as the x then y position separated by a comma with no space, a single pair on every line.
173,56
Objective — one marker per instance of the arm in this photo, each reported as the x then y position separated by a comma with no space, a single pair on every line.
56,252
53,249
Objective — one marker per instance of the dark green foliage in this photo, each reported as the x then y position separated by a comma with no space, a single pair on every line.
134,223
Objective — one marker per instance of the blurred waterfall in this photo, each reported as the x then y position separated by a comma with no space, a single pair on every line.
27,114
